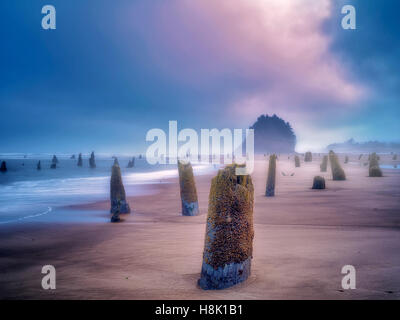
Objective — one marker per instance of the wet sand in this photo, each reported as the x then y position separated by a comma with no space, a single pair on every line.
303,238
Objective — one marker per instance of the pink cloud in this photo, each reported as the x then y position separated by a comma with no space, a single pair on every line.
277,45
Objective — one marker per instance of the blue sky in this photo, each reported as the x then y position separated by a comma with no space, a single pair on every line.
112,70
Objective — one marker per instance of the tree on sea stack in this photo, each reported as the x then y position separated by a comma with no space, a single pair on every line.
308,157
3,167
374,169
337,170
79,164
319,183
117,191
270,189
92,161
296,161
324,165
228,246
187,185
273,135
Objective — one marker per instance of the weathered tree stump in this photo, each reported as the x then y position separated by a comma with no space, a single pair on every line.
117,191
190,204
374,169
319,183
324,164
270,189
337,170
297,161
228,244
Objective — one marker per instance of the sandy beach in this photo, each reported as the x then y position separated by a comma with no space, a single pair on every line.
303,238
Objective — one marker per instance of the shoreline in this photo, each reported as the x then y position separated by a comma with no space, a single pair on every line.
302,239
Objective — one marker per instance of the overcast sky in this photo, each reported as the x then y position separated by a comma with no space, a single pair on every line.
112,70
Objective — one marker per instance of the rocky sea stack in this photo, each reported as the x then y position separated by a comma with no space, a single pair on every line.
308,157
54,160
117,191
3,167
319,183
346,159
297,161
229,237
324,165
92,161
337,170
39,166
273,135
374,169
270,189
190,204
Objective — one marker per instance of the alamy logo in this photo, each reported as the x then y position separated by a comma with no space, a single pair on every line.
225,147
49,20
349,20
349,280
49,280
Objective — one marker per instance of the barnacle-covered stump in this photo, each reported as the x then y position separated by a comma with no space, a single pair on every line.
270,189
190,204
229,237
324,164
117,191
319,183
337,170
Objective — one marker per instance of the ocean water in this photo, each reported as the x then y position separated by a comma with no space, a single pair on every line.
27,194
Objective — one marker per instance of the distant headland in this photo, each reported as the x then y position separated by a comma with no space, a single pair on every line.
370,146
